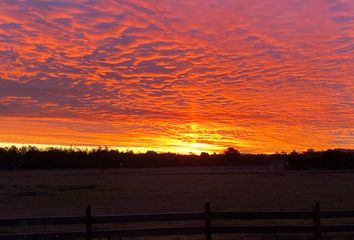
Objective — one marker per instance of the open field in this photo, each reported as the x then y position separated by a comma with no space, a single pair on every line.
67,192
121,191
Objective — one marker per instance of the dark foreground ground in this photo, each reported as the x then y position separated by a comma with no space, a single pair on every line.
121,191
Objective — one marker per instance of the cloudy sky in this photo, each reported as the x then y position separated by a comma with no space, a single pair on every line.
178,75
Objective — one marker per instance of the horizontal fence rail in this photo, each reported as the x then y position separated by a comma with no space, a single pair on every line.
261,215
39,236
263,229
149,218
41,221
337,214
205,219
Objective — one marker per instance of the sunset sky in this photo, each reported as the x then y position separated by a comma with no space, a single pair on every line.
178,75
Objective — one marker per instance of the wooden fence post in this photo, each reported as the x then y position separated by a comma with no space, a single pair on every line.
207,222
316,220
88,223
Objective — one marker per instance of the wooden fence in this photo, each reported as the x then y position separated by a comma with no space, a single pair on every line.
206,217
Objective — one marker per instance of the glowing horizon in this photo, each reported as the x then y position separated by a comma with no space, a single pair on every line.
179,76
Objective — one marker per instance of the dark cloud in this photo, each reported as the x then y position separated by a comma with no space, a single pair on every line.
343,19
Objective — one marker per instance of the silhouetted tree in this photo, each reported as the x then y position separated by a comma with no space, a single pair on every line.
232,155
30,157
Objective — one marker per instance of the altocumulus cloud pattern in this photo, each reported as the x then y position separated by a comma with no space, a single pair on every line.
182,75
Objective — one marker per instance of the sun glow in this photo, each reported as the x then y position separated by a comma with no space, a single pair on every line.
179,76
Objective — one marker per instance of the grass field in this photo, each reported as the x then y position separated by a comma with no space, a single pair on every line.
67,192
121,191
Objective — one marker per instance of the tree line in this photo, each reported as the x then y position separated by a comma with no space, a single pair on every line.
31,157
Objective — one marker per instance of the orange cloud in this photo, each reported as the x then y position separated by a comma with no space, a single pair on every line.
185,76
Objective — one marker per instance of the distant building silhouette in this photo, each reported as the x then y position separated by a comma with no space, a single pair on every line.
278,165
